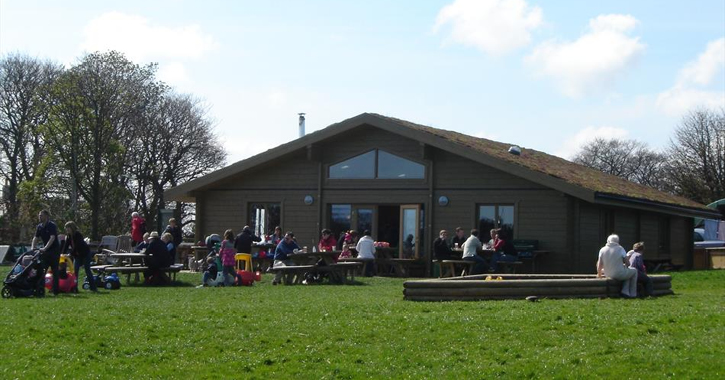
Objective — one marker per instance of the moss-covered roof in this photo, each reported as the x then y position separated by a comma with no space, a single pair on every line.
571,173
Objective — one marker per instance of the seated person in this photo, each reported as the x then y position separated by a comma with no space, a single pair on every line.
143,244
636,262
491,242
366,251
441,249
285,248
611,264
504,250
459,238
327,241
470,252
211,271
168,239
157,257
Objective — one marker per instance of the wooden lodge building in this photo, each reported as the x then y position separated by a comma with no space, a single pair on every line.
403,180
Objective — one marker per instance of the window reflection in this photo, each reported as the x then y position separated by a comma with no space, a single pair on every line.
389,166
362,166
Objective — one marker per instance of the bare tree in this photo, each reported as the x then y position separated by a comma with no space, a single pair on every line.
696,164
179,146
24,85
629,159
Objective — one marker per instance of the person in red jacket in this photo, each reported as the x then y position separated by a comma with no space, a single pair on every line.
138,228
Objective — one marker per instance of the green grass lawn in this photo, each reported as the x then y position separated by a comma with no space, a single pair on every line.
361,331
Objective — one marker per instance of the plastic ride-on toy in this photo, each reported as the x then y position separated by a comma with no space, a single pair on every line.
110,282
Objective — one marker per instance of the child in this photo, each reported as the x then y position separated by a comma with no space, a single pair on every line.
210,273
227,253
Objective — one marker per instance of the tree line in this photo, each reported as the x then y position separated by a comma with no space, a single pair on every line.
692,165
96,141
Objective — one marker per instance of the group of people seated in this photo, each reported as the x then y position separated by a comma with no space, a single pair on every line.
614,262
467,248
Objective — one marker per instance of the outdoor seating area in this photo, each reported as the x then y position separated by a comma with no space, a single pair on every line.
522,286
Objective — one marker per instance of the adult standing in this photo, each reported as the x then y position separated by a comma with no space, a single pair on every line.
175,231
138,228
47,231
636,262
470,252
441,249
611,263
243,241
281,254
80,251
366,251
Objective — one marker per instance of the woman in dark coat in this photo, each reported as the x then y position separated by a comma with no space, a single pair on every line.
157,257
80,251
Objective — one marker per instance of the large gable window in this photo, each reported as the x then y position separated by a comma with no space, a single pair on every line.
362,166
377,164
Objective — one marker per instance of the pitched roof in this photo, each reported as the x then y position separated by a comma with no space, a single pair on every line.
568,177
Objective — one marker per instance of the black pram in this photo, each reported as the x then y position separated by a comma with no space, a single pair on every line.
26,278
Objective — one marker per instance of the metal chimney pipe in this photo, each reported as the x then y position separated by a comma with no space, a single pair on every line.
302,124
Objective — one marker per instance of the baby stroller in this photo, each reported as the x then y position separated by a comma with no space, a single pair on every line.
26,278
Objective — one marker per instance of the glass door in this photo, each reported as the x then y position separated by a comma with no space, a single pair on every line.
409,231
363,218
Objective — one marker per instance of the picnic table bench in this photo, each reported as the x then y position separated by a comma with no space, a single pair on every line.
170,271
292,274
338,273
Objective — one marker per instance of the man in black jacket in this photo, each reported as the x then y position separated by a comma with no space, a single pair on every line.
441,249
243,241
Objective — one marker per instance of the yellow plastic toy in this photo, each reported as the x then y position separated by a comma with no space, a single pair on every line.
246,258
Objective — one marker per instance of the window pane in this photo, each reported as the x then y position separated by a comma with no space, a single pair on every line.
506,220
340,216
264,217
410,231
486,221
364,220
362,166
393,167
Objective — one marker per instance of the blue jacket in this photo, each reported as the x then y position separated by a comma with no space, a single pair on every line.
283,249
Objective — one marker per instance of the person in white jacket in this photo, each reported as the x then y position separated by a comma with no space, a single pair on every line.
366,251
612,263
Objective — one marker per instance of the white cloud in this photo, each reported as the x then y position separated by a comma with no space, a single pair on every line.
593,61
173,73
690,90
493,26
140,40
707,65
573,144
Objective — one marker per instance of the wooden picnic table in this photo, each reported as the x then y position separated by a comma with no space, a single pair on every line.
307,262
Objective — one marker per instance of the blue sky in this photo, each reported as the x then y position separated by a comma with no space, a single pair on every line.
547,75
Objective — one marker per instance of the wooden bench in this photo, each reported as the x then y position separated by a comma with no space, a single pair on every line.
170,271
360,268
293,274
450,267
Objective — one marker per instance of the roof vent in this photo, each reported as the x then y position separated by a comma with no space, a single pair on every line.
515,150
